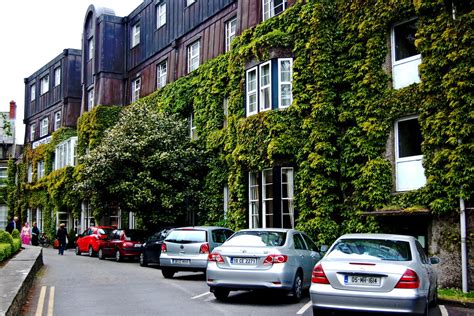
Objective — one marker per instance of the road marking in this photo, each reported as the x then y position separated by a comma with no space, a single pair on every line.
200,295
304,308
51,301
444,311
39,308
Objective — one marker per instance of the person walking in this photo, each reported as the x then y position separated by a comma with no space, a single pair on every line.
61,235
25,234
12,225
35,234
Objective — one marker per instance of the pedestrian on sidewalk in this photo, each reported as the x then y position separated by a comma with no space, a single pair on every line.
61,235
35,234
25,234
13,224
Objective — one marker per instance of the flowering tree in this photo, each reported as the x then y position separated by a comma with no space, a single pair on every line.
147,164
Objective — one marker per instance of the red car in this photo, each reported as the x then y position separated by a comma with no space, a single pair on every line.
92,237
122,243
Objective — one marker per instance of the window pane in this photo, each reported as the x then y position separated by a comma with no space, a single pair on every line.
405,40
409,138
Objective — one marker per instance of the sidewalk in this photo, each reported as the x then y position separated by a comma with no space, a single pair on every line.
16,278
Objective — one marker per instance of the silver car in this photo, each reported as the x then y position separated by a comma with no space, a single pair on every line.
187,248
280,259
374,272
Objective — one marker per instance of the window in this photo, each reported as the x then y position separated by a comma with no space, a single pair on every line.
161,74
299,242
65,153
193,56
287,211
285,96
29,173
272,8
57,76
136,89
33,92
189,2
3,176
161,15
192,128
32,131
230,30
57,120
405,57
254,215
267,197
136,35
259,78
410,174
90,46
90,99
40,169
226,110
3,216
44,127
44,84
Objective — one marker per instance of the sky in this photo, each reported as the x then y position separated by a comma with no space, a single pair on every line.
34,32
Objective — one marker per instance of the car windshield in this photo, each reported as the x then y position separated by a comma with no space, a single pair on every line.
187,236
105,231
257,239
383,249
135,235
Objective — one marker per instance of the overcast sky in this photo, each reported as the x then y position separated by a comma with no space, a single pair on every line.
33,32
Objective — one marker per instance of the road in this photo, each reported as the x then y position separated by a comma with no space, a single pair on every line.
80,285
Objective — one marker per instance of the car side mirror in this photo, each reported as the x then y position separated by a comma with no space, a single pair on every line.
434,260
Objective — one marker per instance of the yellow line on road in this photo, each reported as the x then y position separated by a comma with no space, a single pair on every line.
51,301
39,308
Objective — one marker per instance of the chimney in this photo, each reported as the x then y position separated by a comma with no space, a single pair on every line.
12,110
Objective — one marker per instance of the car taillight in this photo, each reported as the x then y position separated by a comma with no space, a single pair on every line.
204,248
127,244
271,259
409,280
215,257
163,247
318,275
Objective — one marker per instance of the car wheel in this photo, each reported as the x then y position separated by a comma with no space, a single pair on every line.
143,261
167,273
118,256
297,290
221,294
91,251
78,252
100,254
434,301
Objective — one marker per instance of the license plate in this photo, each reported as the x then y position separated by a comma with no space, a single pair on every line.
361,280
249,261
137,245
181,261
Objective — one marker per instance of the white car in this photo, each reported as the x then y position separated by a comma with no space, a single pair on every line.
374,272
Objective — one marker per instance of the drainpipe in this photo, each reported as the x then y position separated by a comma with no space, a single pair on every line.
463,246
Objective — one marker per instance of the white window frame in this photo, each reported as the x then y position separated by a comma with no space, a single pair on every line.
225,107
161,74
230,32
40,169
57,76
189,2
251,91
3,215
265,198
136,86
44,127
44,84
192,128
268,8
135,34
3,177
281,82
290,198
90,99
262,88
90,46
65,153
194,56
57,120
254,202
32,92
160,15
417,160
32,131
29,173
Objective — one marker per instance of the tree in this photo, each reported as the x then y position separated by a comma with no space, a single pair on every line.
147,164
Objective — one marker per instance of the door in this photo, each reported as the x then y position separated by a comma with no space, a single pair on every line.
305,258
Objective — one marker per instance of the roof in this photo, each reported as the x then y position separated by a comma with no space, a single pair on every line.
377,236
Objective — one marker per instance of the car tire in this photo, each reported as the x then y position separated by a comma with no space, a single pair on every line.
143,261
78,252
118,256
221,294
434,301
297,290
91,251
100,254
167,273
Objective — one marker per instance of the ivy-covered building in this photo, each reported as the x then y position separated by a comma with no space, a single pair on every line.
328,116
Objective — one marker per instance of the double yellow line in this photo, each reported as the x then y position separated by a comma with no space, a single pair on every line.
39,309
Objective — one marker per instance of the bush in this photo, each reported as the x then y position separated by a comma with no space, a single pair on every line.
16,233
5,251
16,244
6,238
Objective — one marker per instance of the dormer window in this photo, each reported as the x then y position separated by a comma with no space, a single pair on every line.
161,15
32,92
90,48
57,76
44,84
136,35
273,7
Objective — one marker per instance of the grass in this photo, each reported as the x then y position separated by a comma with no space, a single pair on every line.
456,295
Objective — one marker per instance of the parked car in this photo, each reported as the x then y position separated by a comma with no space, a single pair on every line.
186,248
374,272
92,237
122,243
272,258
151,249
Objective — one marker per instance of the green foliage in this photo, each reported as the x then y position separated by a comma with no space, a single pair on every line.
5,237
5,251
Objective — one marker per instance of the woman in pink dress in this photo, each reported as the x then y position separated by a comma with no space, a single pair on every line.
25,234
